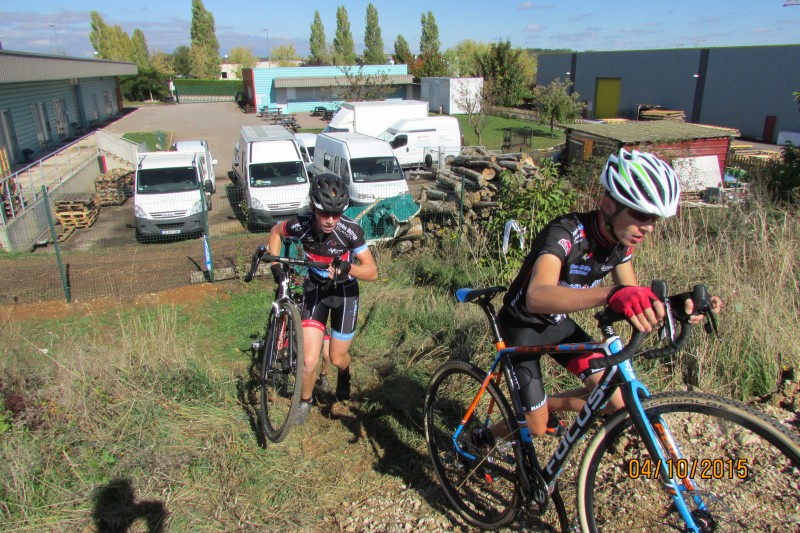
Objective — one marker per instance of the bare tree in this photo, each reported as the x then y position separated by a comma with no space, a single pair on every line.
359,87
476,104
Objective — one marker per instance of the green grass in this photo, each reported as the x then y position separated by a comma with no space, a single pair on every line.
492,133
155,140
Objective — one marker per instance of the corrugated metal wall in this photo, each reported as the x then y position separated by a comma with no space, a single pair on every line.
91,95
736,87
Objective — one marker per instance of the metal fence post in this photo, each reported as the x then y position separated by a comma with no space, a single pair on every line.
54,235
206,245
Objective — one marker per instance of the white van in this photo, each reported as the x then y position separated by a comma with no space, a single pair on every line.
306,142
366,164
418,140
167,198
200,147
269,168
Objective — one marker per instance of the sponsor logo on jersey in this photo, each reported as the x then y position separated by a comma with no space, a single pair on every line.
566,245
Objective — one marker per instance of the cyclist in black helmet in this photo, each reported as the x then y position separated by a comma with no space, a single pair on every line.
327,236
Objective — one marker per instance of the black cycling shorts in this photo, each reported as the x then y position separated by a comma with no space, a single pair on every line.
528,373
340,304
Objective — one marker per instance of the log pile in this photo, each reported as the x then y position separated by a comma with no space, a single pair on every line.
114,187
473,178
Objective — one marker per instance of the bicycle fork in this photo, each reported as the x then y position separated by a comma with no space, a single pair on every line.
661,446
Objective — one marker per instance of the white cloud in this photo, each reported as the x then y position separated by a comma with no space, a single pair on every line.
533,28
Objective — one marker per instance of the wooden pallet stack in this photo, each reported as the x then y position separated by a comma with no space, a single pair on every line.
75,211
114,187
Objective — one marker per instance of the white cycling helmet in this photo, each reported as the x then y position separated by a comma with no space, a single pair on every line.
642,182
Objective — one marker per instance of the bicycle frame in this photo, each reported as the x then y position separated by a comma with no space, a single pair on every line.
654,433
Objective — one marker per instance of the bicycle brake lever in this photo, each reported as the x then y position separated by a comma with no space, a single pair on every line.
702,304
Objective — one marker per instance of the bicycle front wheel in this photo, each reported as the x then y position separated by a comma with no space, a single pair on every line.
281,371
739,470
481,480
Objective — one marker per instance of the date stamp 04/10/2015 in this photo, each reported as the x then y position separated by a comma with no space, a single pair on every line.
689,468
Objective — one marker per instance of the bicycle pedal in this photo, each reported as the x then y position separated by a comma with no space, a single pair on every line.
257,346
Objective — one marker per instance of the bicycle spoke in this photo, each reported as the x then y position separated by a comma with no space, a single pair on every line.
733,474
484,487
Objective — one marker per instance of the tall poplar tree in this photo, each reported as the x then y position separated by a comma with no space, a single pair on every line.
205,46
140,54
318,43
344,52
373,52
402,52
432,60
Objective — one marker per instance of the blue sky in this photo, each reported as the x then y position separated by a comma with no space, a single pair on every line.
45,26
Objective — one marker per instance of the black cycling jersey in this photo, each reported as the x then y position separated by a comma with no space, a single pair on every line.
586,259
345,241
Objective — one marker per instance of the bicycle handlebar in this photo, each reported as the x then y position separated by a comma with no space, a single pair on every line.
261,254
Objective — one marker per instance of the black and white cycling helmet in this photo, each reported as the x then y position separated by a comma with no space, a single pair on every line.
329,193
642,182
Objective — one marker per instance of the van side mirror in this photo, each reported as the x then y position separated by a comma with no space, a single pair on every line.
213,161
207,186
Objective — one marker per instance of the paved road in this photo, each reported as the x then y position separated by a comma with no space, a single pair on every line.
219,124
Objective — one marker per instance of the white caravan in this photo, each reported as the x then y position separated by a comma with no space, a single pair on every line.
418,140
306,142
269,168
167,197
366,164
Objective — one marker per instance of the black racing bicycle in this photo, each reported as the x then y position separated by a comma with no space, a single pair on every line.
676,461
280,348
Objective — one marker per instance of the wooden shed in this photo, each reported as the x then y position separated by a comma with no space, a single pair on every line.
698,152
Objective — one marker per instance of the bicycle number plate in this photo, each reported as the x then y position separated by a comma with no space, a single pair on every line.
170,232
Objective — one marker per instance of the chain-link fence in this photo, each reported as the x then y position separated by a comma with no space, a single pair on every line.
113,232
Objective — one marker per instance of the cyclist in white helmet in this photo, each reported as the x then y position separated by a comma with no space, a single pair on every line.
562,274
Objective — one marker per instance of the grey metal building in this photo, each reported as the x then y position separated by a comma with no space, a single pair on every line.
748,88
45,100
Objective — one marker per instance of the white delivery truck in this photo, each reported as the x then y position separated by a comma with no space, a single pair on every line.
269,168
167,198
366,164
201,148
419,140
372,118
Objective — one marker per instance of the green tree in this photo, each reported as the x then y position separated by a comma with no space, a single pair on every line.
344,52
148,84
285,55
98,36
242,57
555,104
110,42
140,54
476,105
402,52
360,87
182,60
162,62
432,60
320,55
205,46
503,66
463,58
373,51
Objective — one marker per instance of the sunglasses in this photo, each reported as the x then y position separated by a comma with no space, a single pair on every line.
642,217
328,214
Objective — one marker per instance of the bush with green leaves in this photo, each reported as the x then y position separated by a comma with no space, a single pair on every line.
533,203
783,176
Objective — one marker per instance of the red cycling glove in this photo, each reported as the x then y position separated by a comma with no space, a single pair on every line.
630,301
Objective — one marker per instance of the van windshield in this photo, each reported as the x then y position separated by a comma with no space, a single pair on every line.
162,180
277,174
375,169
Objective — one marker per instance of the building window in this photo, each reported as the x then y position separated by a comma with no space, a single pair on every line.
224,75
42,122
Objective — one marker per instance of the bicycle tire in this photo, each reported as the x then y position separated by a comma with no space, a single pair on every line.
485,490
281,372
614,494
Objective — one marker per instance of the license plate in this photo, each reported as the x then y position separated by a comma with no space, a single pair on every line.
170,232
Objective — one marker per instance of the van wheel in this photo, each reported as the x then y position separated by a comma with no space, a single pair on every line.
428,161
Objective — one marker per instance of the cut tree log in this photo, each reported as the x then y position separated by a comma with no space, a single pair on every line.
478,177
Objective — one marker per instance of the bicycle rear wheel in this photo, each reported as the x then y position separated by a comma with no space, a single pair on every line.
281,371
745,467
485,488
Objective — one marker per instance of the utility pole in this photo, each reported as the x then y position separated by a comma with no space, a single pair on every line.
268,49
58,47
